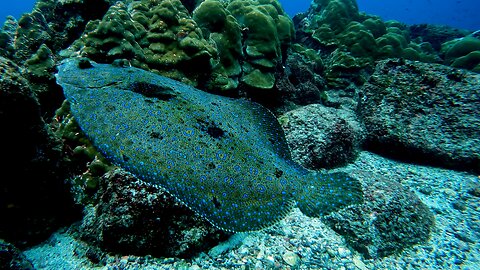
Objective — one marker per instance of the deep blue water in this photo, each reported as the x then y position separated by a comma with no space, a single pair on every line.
456,13
15,8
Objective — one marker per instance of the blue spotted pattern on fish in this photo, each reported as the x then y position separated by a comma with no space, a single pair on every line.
227,159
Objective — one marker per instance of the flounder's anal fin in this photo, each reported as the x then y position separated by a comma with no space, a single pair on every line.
326,193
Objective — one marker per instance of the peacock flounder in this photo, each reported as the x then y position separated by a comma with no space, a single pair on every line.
227,159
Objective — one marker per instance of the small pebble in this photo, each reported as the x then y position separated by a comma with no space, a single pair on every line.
343,252
449,192
260,254
427,190
291,258
359,264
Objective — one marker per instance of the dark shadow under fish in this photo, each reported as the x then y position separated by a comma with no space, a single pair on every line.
227,159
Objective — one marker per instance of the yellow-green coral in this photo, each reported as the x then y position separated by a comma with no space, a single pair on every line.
463,53
335,14
93,164
176,46
41,64
268,31
114,37
311,55
255,32
356,39
217,44
156,35
470,61
223,29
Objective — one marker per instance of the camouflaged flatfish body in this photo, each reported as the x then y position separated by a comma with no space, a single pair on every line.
225,158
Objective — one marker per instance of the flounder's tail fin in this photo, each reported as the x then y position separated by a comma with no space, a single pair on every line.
326,193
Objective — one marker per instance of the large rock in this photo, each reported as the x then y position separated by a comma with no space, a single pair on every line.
322,137
425,113
33,198
299,83
133,217
390,219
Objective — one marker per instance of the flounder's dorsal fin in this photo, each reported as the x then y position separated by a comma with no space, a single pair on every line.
267,127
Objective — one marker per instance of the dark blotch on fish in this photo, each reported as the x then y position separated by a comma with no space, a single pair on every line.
227,159
153,91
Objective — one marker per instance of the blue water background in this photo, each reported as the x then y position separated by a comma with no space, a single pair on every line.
14,8
463,14
457,13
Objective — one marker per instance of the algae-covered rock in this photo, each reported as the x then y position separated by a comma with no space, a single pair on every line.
131,216
7,36
34,200
343,69
391,219
12,258
259,79
300,82
424,113
320,137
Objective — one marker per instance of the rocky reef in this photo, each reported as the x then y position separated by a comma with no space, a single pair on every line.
340,82
352,41
133,217
424,113
34,201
